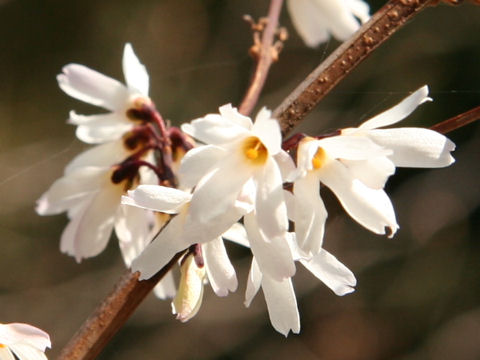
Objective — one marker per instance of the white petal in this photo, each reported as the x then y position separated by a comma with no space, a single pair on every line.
369,207
97,223
231,114
237,234
415,147
219,190
220,271
309,26
66,191
281,304
331,272
360,9
214,129
286,165
157,198
310,214
399,111
166,287
136,76
90,86
270,207
268,131
372,172
6,354
104,155
103,128
25,352
197,163
163,248
24,333
254,282
351,147
273,254
69,234
132,227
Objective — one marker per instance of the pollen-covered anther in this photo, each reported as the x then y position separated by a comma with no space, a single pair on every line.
254,150
319,159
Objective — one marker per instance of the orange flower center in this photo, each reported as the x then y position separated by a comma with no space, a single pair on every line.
254,150
319,159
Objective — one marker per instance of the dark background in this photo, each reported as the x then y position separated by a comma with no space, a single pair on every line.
418,295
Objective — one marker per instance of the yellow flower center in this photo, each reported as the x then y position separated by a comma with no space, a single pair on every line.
2,346
319,159
254,150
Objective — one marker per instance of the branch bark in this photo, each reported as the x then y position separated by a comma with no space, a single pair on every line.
458,121
383,24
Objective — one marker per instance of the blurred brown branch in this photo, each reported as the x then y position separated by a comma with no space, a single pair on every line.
458,121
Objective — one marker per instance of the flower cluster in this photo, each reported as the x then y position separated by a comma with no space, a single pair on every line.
242,183
23,342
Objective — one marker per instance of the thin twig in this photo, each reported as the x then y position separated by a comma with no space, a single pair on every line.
265,59
111,314
383,24
458,121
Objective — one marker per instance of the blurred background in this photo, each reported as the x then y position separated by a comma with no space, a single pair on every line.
418,295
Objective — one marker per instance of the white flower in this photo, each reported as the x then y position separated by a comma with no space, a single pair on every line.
411,147
92,202
175,237
23,342
315,20
243,160
280,295
97,89
324,161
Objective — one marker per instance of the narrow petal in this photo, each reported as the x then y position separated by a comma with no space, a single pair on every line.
166,287
26,352
136,76
197,163
371,208
220,271
399,111
214,129
360,9
254,282
281,304
90,86
415,147
6,354
69,234
352,147
286,165
374,172
66,191
162,249
104,155
97,223
231,114
310,27
331,272
270,207
268,131
310,214
237,234
110,127
132,227
157,198
273,254
217,192
24,333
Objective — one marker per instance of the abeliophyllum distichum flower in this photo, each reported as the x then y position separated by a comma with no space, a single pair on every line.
241,172
134,147
23,342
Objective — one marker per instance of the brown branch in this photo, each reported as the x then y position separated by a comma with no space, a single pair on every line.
458,121
265,59
383,24
111,314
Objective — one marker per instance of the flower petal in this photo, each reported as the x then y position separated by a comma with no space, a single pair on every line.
371,208
415,147
231,114
331,272
197,163
310,214
24,333
399,111
136,76
90,86
237,234
25,352
254,282
273,254
220,271
310,27
102,128
6,354
281,304
166,287
372,172
157,198
268,131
